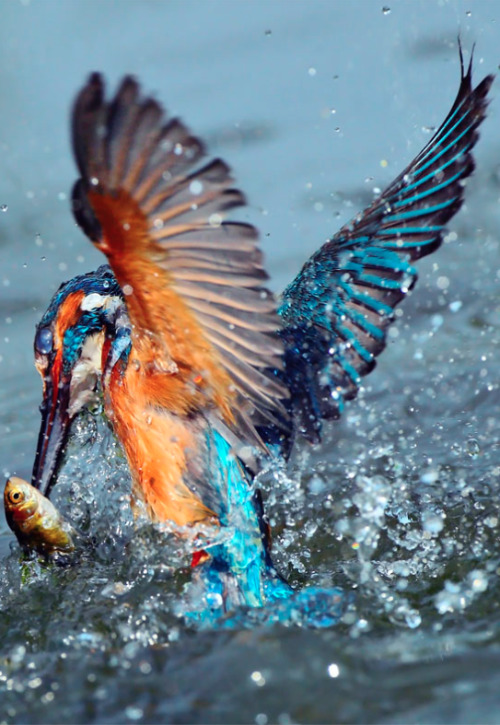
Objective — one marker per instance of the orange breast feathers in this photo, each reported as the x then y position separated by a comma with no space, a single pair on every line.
160,448
166,337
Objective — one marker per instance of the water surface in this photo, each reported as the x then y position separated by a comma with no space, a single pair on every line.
315,106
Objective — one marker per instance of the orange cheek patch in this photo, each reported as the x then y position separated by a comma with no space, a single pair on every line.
68,315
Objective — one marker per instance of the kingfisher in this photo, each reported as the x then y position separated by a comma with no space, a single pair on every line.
206,377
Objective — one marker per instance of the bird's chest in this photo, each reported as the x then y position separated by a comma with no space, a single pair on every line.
154,418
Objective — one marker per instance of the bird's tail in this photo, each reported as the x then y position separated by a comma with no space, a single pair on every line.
235,569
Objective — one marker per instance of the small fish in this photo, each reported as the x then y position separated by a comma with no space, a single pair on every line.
35,520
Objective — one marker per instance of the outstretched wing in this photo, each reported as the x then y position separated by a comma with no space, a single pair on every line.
337,310
193,283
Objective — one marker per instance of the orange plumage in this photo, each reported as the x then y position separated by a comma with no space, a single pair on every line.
204,339
184,372
173,371
159,448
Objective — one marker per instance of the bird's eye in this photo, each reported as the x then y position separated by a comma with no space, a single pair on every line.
15,496
43,340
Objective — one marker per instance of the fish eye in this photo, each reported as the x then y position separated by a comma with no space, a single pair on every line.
16,496
43,341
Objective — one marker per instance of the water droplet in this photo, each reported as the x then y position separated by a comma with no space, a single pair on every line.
333,670
455,306
413,619
133,713
432,523
472,448
478,580
258,678
437,321
316,485
215,601
430,476
312,71
145,667
196,187
215,220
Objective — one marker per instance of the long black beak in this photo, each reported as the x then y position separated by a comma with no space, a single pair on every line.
53,434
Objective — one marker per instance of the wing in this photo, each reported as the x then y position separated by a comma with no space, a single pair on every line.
337,310
193,283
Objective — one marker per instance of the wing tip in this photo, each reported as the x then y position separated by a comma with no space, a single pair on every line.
316,398
84,214
91,95
466,88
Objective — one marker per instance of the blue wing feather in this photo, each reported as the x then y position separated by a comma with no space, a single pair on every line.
334,320
337,310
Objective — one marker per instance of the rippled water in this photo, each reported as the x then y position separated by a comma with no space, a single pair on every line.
399,506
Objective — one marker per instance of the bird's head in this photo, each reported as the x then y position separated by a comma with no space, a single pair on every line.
70,354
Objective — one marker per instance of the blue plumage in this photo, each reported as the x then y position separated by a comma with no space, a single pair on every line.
337,310
240,571
91,321
334,318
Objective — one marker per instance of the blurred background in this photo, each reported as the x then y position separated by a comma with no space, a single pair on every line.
316,105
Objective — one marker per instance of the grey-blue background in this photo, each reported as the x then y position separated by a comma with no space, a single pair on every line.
304,99
314,104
